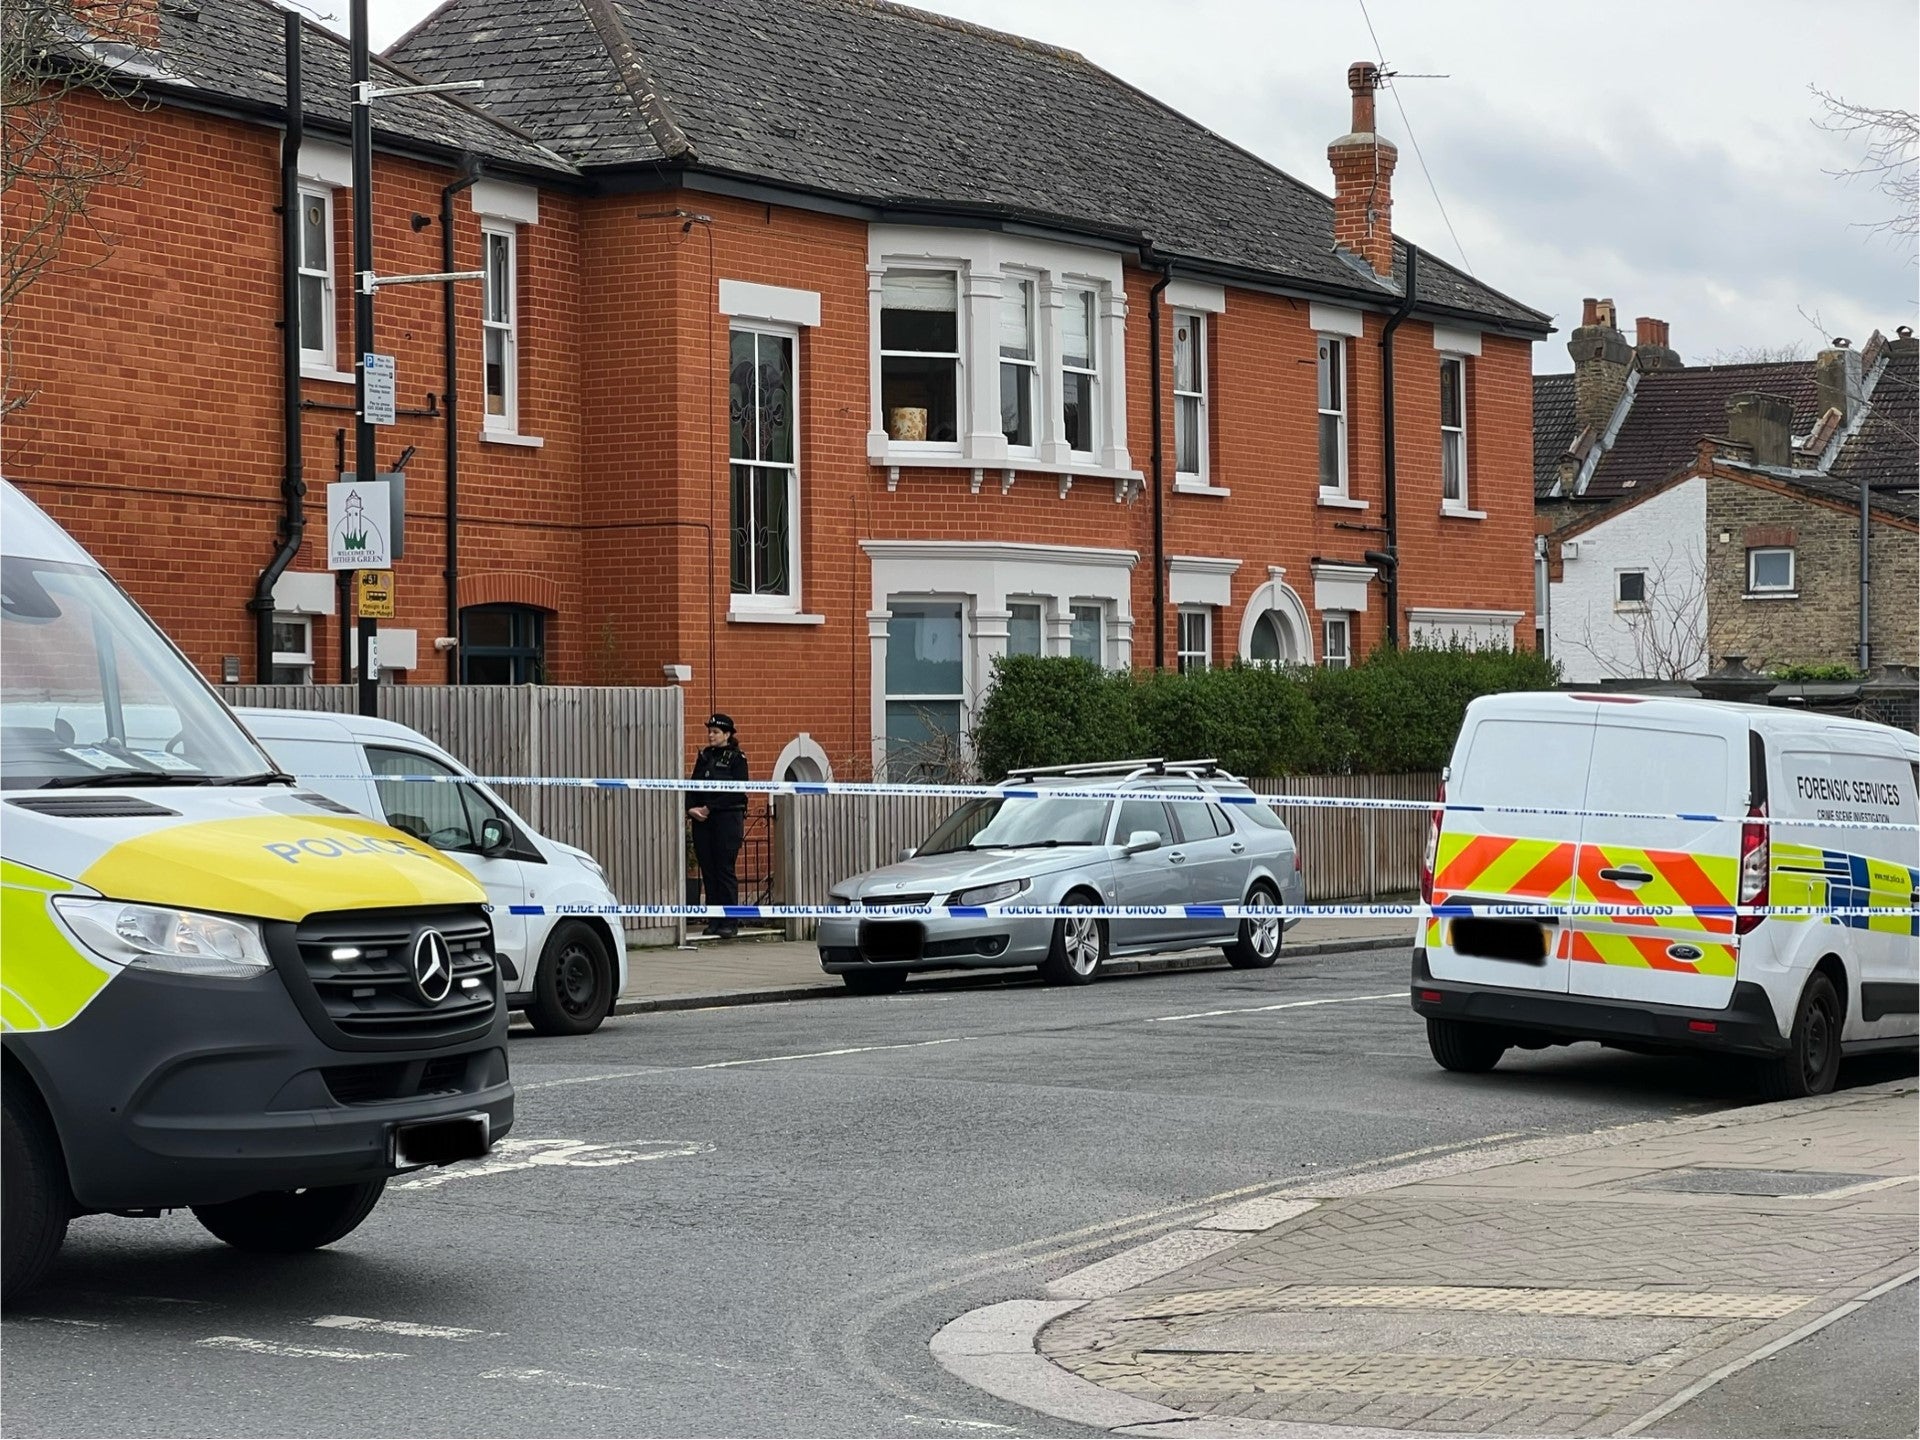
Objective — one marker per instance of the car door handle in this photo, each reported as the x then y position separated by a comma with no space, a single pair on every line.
1237,848
1175,857
1626,877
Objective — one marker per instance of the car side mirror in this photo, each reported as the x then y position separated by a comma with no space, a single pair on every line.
495,836
907,853
1141,841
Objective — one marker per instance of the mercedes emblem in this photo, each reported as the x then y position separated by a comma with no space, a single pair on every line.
432,966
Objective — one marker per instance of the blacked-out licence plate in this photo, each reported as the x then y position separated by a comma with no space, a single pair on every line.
441,1142
1522,941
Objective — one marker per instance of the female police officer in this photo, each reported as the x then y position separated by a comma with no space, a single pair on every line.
719,819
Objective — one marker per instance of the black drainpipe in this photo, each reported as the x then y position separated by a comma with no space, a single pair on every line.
1165,267
450,346
293,488
1389,508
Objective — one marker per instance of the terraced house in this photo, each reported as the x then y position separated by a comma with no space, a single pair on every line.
827,350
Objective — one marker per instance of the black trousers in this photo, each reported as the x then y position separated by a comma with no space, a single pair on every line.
716,846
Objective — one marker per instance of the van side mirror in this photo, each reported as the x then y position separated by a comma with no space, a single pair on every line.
907,853
495,836
1141,841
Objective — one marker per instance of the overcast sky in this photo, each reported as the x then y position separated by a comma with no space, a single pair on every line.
1660,152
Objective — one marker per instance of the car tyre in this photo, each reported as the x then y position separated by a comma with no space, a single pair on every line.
573,985
1257,945
874,982
1464,1047
286,1222
36,1204
1812,1062
1079,947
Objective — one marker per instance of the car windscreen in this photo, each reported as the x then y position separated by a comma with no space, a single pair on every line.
91,692
1019,822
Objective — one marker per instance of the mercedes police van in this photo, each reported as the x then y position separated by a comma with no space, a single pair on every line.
1756,808
217,991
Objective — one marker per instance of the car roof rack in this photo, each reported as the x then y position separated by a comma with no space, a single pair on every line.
1155,765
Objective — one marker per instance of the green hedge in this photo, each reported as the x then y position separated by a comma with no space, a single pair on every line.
1398,710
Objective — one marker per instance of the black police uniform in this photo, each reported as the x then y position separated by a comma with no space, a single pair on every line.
716,839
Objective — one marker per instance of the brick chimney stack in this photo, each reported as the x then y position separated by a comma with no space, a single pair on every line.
1837,372
1764,424
1602,360
1363,177
1652,352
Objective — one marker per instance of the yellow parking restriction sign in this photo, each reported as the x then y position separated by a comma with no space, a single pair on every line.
376,594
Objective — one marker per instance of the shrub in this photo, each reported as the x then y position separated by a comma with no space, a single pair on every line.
1813,673
1396,711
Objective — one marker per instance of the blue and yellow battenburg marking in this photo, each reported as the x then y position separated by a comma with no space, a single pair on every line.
1842,881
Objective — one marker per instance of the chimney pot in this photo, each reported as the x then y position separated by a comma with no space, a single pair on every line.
1363,78
1590,311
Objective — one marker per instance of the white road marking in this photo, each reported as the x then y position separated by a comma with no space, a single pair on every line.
57,1320
962,1424
732,1064
294,1352
511,1155
1256,1215
1284,1005
548,1377
407,1328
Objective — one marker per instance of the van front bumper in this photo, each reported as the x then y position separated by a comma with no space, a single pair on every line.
169,1091
1745,1027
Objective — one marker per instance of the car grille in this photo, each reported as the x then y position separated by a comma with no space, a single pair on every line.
396,1079
882,902
374,998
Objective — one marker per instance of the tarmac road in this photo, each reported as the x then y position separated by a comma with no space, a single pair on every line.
749,1221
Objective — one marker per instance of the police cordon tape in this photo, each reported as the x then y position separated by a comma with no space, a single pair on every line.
658,785
1406,911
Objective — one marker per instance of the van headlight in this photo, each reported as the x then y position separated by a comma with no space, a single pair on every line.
182,942
840,897
987,894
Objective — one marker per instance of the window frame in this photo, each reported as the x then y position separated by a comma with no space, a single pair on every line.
1078,613
922,604
1340,622
1453,438
1190,658
1793,570
750,600
507,422
1620,599
532,655
1198,398
326,356
1039,607
1071,289
1036,398
961,337
1334,346
292,659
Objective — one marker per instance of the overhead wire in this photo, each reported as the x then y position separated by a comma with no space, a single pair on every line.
1414,140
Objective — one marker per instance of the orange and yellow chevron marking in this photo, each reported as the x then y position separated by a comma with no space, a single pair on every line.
1646,952
1503,865
1679,879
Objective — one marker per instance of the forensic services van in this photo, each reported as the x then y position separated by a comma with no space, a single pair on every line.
217,991
1701,809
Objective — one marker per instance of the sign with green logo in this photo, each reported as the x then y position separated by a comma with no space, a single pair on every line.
359,517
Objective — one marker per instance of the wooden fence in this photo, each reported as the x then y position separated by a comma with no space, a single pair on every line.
556,730
1348,854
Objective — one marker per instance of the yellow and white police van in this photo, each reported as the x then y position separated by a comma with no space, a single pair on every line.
217,991
1705,810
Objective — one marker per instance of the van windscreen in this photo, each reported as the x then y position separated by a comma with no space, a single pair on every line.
1526,762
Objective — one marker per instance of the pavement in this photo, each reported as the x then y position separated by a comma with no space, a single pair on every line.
752,971
1588,1284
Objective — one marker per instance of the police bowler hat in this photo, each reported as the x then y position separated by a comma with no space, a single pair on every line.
717,721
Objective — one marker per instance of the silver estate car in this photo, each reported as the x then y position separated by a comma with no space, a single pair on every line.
1062,848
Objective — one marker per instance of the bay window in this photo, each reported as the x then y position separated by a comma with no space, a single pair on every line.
1088,639
926,690
1018,363
1079,371
1026,628
920,356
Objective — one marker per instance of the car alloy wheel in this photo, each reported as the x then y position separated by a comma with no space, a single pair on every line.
1081,939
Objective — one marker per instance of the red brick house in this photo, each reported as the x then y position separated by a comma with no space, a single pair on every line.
815,366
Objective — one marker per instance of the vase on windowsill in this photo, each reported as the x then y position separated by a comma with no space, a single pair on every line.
907,423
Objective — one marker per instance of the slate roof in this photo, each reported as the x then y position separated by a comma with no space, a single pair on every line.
234,51
1674,409
1883,451
895,108
1553,429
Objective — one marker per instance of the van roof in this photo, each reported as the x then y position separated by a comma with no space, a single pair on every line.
323,722
1767,719
30,533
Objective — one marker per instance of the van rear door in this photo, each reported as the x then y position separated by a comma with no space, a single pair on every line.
1668,759
1530,751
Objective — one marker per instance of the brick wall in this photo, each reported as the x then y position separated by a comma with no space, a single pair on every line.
162,451
1821,625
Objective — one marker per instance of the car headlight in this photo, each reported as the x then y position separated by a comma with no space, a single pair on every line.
839,897
594,865
182,942
987,894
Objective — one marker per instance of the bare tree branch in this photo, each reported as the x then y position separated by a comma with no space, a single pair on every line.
1668,631
1891,162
